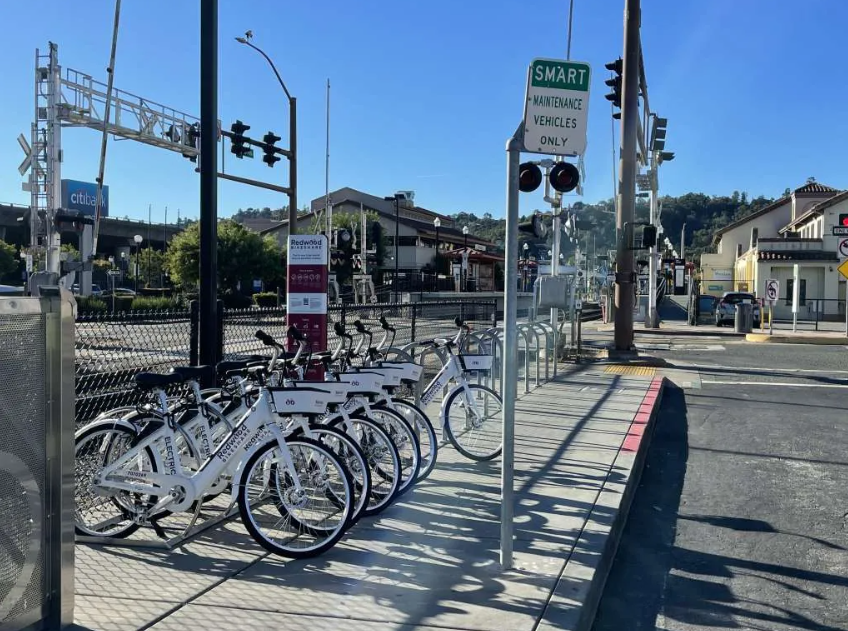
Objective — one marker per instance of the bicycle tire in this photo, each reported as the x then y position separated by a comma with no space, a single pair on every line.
383,461
325,538
404,438
429,442
81,440
452,430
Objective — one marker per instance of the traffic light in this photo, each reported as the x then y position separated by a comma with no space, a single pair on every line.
238,146
658,129
649,236
270,157
529,177
173,134
68,223
192,139
533,226
843,220
564,177
614,83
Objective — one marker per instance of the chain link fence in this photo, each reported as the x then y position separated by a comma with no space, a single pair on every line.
112,348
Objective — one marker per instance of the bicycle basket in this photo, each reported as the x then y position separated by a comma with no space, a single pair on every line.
363,382
476,363
409,371
336,391
292,401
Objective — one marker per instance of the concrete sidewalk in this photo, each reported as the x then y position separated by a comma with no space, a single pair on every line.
431,561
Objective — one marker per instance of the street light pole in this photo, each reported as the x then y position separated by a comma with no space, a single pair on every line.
464,286
396,281
292,133
138,239
437,222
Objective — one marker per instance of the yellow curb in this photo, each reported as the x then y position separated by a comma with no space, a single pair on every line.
765,338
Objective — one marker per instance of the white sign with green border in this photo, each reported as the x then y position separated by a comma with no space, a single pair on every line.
556,110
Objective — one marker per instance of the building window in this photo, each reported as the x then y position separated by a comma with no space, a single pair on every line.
802,293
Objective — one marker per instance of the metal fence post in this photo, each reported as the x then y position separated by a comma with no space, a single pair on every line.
194,333
219,340
414,309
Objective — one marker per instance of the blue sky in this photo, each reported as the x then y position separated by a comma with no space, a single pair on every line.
425,94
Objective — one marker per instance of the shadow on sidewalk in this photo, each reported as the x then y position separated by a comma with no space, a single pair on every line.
633,593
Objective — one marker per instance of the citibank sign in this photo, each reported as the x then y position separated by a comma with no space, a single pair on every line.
82,197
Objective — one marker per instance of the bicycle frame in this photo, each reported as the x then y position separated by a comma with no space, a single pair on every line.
254,430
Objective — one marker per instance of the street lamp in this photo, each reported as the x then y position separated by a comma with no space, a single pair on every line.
396,199
138,239
526,259
437,223
465,258
292,133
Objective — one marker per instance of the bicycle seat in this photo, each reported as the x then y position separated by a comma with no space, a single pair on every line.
153,380
192,373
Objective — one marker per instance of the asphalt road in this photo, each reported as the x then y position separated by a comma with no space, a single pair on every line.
741,517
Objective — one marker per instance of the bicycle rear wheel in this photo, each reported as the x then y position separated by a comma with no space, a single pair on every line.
425,432
382,457
295,522
98,514
473,421
407,443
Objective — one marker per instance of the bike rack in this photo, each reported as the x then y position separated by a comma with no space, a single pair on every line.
170,543
523,331
544,329
491,337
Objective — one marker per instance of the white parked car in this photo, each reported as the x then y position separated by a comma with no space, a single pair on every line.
726,307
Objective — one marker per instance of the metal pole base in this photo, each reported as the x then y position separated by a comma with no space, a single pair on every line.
652,320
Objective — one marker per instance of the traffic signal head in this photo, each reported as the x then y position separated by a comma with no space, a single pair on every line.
843,220
614,82
237,141
192,137
649,236
172,134
270,157
534,226
658,129
564,177
529,177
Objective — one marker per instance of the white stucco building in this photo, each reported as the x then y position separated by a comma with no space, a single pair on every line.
795,229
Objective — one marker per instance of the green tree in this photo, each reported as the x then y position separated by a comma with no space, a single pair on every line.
9,261
151,266
242,257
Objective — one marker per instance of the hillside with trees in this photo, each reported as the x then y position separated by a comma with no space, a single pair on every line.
702,214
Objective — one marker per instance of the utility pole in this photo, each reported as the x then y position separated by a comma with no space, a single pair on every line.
625,213
208,329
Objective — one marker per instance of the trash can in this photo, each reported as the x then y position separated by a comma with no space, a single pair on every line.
744,321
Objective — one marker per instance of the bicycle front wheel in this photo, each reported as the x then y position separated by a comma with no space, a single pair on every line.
403,436
473,421
305,509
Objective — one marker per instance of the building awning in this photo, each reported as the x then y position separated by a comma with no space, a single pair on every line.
475,256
